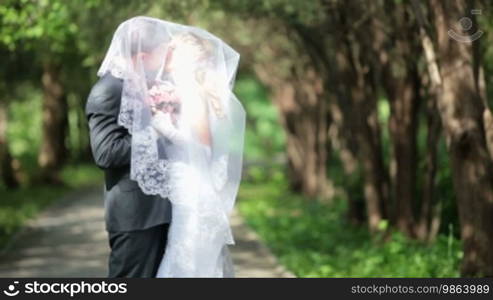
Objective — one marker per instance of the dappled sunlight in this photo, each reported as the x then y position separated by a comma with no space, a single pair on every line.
66,240
368,146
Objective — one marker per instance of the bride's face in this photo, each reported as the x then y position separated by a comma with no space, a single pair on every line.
181,57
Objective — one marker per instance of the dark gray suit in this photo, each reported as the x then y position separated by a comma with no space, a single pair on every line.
133,219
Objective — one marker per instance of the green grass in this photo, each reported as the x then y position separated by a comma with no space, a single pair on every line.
18,206
315,240
264,136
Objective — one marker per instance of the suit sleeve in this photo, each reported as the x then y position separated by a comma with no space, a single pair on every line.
110,142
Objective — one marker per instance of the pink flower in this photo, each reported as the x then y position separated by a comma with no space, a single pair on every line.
163,97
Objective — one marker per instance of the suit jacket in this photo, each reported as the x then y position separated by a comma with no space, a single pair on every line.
126,206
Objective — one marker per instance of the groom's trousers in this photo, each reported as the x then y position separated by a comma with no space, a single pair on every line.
137,253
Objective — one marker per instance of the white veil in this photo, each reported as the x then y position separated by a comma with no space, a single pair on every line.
187,131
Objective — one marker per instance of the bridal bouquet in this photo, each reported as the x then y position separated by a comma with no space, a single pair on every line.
163,98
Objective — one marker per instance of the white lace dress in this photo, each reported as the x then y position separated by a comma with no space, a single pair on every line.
198,221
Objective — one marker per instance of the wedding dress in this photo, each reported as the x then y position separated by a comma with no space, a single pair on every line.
187,130
198,219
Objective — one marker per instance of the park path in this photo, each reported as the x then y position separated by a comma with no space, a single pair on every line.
68,240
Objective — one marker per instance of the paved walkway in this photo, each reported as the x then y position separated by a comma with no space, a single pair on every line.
68,240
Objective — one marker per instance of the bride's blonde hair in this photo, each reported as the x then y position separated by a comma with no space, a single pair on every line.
205,50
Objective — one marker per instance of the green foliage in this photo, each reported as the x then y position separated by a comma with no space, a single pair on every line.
264,134
383,114
27,22
24,129
444,195
315,240
311,238
306,12
77,175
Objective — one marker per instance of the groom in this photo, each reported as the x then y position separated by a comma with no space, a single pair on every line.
137,224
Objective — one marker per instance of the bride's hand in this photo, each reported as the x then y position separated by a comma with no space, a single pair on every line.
163,124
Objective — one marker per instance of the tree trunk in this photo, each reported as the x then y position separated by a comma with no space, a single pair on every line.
350,81
304,116
403,129
297,89
357,77
370,154
55,123
397,67
342,136
462,109
368,137
430,215
7,173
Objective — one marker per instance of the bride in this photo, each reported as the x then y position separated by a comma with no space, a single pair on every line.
200,230
187,138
